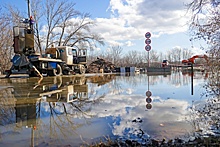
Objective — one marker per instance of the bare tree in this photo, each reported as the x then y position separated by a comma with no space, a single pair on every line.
205,24
116,53
6,41
58,23
169,56
63,25
186,53
176,54
132,58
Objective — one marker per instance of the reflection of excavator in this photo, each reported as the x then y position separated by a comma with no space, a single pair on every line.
192,59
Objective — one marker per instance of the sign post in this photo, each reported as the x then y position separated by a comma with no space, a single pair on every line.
148,47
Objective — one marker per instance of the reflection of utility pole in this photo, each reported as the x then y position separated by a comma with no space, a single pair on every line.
32,136
148,80
191,79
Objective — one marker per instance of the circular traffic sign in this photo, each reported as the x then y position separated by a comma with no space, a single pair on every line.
147,47
147,41
148,35
148,93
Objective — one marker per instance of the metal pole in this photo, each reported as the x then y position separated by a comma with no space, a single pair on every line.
148,59
32,136
148,84
29,8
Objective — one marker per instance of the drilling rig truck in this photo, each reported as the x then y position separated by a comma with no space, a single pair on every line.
55,62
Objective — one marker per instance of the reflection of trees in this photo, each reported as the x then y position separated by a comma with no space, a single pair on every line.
109,85
61,122
63,111
101,79
176,79
133,80
7,110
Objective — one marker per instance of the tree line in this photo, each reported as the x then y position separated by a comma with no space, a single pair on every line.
140,58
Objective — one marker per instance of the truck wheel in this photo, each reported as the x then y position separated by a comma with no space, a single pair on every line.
66,72
56,72
82,69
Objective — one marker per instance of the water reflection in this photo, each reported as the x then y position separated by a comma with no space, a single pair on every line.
75,110
28,103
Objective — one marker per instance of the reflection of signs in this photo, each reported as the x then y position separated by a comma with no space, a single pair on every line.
148,100
148,93
148,106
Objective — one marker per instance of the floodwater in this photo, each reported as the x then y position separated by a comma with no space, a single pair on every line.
81,110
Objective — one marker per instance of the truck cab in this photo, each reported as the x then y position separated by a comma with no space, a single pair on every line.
74,59
72,56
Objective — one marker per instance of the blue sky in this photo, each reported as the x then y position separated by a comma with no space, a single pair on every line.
125,22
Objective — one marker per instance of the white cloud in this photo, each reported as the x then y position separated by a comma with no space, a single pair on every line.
129,43
131,18
197,51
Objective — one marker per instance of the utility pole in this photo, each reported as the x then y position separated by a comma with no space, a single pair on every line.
29,8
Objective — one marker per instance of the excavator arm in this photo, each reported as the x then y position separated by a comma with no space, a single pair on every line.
192,59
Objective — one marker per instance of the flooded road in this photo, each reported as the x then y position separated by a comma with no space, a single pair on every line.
79,110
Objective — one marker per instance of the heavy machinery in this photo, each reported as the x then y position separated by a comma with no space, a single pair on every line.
192,59
165,63
56,61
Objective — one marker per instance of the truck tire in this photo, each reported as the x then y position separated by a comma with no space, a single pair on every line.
55,72
82,69
66,72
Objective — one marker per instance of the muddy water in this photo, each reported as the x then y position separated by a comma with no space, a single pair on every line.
76,110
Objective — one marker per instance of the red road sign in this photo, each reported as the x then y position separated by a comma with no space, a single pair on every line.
147,41
147,47
148,35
